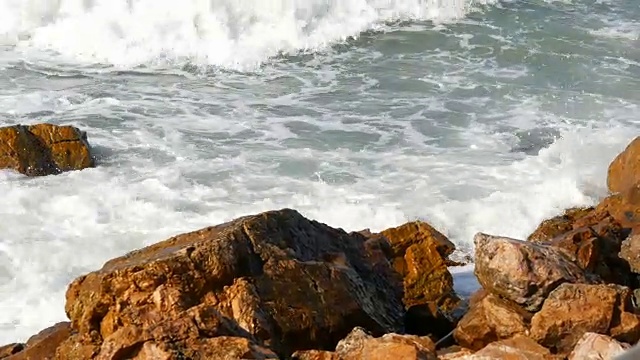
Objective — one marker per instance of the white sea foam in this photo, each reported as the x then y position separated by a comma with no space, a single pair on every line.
236,34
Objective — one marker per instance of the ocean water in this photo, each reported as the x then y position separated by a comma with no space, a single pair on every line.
472,115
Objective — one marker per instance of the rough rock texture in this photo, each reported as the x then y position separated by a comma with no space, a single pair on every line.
43,345
517,348
44,149
219,348
624,170
594,346
360,345
10,349
418,254
572,310
594,245
624,207
490,318
630,252
454,353
522,271
551,228
276,277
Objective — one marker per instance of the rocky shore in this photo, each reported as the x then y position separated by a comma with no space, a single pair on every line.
277,285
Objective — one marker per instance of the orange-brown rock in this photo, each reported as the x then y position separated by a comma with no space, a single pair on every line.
490,318
10,349
277,278
521,271
572,310
624,207
418,254
594,346
553,227
454,353
630,252
43,345
624,170
219,348
594,245
517,348
315,355
360,345
44,149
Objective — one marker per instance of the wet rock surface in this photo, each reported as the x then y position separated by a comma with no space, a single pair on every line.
44,149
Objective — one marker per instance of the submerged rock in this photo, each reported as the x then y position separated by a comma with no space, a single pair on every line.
520,271
277,279
44,149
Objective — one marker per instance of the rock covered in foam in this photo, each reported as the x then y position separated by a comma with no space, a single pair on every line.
44,149
520,271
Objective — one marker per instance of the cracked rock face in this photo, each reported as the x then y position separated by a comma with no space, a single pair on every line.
44,149
277,279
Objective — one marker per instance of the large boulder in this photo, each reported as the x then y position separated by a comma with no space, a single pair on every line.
360,345
277,279
44,149
624,170
521,271
489,319
572,310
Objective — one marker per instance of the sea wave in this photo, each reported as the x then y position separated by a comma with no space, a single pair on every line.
233,34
